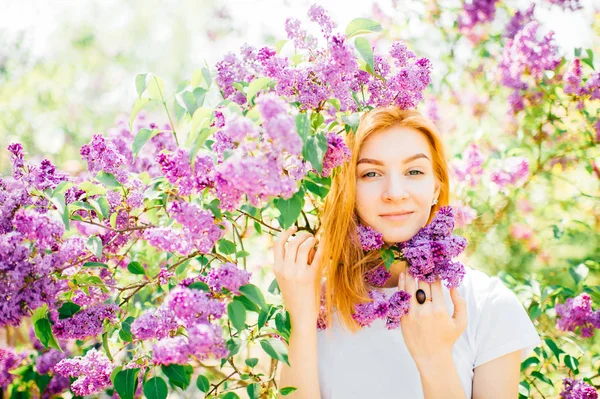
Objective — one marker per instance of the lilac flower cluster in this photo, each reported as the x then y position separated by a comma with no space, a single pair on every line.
518,21
199,231
196,311
514,171
47,360
574,85
102,155
92,371
389,309
227,276
337,153
9,360
429,252
378,276
369,238
577,312
526,58
470,169
259,158
577,389
86,323
475,12
177,169
331,72
41,177
572,5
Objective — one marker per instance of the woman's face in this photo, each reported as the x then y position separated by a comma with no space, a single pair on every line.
394,175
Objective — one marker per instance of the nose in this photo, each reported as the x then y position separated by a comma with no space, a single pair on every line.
395,188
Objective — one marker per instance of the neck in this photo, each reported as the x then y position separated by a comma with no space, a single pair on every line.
396,268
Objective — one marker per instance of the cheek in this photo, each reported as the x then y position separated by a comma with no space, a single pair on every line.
365,199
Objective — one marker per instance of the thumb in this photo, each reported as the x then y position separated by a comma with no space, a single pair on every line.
460,308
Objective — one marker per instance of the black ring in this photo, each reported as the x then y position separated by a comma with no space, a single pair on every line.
421,296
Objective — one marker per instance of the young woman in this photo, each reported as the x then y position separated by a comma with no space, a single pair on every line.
466,342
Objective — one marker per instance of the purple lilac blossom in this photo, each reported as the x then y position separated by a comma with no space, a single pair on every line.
177,169
592,86
370,239
86,323
337,153
577,389
572,5
38,228
57,385
389,309
194,306
9,360
518,21
227,276
514,171
199,226
204,340
470,169
572,78
378,276
577,312
317,14
46,361
102,155
171,351
429,252
475,12
92,371
399,304
157,323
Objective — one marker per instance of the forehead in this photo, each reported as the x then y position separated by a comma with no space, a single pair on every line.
395,143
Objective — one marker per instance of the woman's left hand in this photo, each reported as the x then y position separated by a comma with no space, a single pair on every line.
429,331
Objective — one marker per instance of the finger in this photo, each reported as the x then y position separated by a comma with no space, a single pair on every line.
437,295
411,287
303,250
460,308
292,248
402,281
279,246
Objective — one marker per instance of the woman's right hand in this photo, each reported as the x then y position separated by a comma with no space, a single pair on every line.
296,273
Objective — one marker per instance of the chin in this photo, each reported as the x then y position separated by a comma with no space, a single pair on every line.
398,236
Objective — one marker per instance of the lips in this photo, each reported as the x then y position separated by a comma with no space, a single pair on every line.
397,213
396,217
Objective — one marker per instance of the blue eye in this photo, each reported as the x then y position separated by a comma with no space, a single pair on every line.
414,170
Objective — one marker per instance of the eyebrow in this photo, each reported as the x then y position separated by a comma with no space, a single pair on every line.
378,162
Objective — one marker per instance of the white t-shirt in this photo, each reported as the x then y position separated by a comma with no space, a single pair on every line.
375,363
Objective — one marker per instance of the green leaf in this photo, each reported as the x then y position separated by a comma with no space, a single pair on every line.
203,383
289,209
252,362
360,26
187,100
572,363
95,264
42,381
138,105
107,179
287,390
126,382
233,346
198,141
253,390
58,200
387,254
242,254
179,375
199,285
319,191
141,84
94,244
276,349
141,138
68,309
530,361
43,328
125,331
254,294
156,88
104,206
136,268
352,122
231,395
156,388
237,314
226,247
589,60
283,324
106,347
366,51
303,127
199,94
579,272
206,76
274,287
541,377
314,150
255,86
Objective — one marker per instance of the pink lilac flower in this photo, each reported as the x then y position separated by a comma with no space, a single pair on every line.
199,226
58,384
470,169
366,313
227,276
322,317
164,275
86,323
102,155
573,78
465,215
169,240
298,35
513,172
92,371
399,304
171,351
475,12
38,228
156,323
572,5
577,312
206,340
369,238
178,170
429,253
592,86
9,360
317,14
337,153
577,389
193,306
279,126
46,361
525,54
518,21
378,276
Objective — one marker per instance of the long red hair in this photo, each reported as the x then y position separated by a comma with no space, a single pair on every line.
344,263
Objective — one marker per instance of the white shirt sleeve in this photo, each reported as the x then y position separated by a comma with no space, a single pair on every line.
503,326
